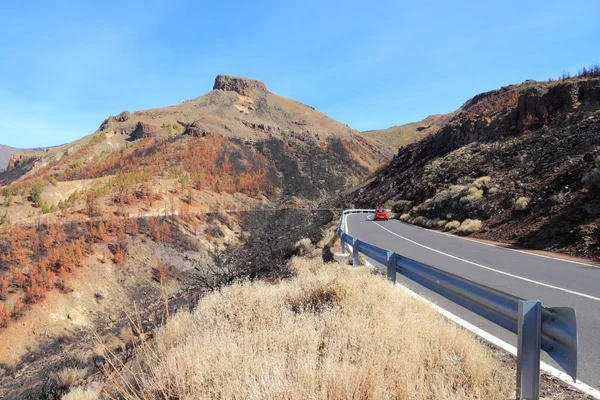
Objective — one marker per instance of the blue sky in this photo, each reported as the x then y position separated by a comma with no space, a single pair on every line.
67,65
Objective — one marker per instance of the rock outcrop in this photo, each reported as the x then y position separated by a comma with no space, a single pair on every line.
243,86
122,117
143,129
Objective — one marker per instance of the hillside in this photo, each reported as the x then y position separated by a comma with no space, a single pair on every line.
5,155
238,139
519,164
403,135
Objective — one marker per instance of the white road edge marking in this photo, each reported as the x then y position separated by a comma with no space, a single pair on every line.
502,247
492,269
493,340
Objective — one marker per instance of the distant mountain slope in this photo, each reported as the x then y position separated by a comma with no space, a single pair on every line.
403,135
524,160
5,155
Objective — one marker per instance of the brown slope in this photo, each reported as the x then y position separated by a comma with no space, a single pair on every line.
403,135
536,142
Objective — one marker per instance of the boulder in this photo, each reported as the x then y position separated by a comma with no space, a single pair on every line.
143,129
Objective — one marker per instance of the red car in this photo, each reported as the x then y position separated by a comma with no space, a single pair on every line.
381,213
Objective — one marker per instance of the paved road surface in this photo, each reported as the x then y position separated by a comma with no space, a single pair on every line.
554,282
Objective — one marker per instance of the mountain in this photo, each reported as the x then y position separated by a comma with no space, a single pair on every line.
403,135
520,165
237,139
5,155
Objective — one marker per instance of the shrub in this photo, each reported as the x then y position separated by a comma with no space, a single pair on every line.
472,195
420,221
469,226
493,190
442,223
402,206
431,224
452,225
404,217
68,377
482,182
98,138
361,260
522,203
389,204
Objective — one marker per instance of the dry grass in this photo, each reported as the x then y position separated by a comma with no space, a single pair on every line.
331,332
482,182
68,377
81,394
469,226
522,203
452,225
303,246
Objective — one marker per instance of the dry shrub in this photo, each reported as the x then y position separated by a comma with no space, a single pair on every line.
472,195
482,182
452,225
68,377
81,393
442,224
522,203
469,226
404,217
261,341
303,246
361,260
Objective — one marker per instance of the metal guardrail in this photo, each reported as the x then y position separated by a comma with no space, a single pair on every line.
538,327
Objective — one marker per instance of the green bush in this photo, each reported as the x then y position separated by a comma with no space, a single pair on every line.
98,138
402,206
441,223
404,217
35,194
469,226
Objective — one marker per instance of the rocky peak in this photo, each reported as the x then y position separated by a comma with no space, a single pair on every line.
122,117
243,86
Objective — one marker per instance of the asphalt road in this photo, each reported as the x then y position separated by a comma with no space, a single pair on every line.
552,281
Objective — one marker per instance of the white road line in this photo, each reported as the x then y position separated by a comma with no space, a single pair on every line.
502,247
587,296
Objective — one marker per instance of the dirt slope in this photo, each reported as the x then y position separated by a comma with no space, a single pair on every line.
403,135
521,159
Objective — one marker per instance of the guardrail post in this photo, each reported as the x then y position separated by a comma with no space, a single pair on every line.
355,244
528,350
342,239
392,259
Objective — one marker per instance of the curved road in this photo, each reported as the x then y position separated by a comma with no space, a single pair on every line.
553,281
